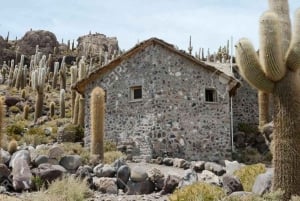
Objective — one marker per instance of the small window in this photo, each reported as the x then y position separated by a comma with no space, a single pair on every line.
210,95
136,93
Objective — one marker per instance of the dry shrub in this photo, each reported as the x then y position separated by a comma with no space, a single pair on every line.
111,156
198,192
248,174
66,189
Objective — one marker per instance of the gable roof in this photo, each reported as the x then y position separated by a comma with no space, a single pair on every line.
80,85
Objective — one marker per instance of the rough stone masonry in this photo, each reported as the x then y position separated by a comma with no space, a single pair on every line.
173,116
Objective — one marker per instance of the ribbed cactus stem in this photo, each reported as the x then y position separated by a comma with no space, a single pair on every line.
250,67
11,73
55,74
73,70
62,103
293,59
270,52
63,74
38,82
81,112
97,122
281,9
82,69
76,110
263,108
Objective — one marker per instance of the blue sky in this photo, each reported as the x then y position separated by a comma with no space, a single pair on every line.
210,22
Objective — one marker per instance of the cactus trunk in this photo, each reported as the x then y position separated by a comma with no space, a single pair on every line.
38,106
81,111
286,158
263,108
97,122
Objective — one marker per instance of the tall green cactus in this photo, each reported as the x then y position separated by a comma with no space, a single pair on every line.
55,74
73,70
62,103
63,74
97,122
38,81
276,72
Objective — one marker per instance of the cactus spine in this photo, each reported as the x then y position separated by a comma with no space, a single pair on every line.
62,103
276,74
97,122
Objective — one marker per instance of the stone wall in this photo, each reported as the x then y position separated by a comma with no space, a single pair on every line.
173,116
245,105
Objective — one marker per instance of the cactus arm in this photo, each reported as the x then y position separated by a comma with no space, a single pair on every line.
281,9
293,54
250,67
270,52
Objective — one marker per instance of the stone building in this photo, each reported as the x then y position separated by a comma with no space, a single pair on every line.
164,101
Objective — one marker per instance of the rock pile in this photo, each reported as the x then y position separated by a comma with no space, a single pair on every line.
119,178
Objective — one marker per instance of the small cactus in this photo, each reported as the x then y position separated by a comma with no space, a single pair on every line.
52,109
25,112
97,122
12,146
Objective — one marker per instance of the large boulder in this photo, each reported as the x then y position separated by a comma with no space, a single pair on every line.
21,175
215,168
138,174
232,166
209,177
55,152
123,175
70,162
179,162
105,185
106,171
170,184
40,159
11,100
263,182
190,177
198,166
46,41
21,154
5,156
157,177
47,173
231,184
139,188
